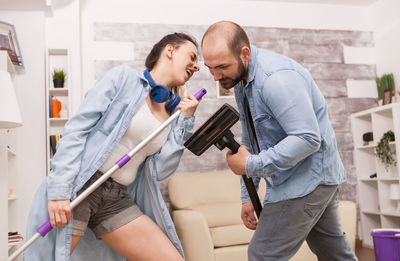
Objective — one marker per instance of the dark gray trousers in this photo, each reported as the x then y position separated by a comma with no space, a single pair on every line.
283,227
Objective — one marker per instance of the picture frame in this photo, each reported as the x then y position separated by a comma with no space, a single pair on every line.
224,93
9,43
387,96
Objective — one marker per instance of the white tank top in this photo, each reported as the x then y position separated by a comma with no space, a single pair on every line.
142,125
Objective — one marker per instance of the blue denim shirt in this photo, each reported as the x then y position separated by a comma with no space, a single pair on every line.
89,138
297,142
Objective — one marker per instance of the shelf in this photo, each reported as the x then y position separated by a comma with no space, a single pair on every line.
58,120
366,147
379,109
371,212
57,59
368,180
62,52
392,214
389,179
11,152
58,91
13,197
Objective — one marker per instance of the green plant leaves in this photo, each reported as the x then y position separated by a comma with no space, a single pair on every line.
58,74
382,150
383,83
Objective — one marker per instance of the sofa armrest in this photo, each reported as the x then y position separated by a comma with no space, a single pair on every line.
194,234
348,217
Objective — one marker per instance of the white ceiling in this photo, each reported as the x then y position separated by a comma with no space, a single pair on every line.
331,2
41,4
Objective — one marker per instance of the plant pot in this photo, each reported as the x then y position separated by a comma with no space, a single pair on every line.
58,83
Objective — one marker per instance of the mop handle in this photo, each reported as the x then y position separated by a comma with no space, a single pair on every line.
46,227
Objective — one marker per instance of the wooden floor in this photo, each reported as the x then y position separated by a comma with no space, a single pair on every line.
365,254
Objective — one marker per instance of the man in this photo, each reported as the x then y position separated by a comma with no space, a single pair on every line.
288,141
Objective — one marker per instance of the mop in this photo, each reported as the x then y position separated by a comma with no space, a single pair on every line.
46,227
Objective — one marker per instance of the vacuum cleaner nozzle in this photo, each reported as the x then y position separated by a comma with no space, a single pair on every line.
217,131
212,130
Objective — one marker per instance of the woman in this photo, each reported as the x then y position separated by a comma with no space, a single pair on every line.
127,211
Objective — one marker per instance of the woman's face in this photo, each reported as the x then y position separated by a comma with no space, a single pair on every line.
184,63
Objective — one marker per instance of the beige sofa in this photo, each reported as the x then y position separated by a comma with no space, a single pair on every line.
206,214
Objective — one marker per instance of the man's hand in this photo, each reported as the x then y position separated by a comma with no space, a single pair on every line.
59,212
248,217
237,161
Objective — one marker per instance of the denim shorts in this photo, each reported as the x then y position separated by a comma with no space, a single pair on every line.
107,208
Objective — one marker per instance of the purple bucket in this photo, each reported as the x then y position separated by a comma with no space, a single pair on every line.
386,244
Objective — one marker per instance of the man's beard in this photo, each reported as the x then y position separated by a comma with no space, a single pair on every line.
227,82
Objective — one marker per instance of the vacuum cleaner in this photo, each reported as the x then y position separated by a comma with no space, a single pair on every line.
46,227
216,131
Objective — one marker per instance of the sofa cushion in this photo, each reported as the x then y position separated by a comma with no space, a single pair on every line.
196,189
190,190
233,253
231,235
221,214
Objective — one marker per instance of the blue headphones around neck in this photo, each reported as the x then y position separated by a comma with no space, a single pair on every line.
159,93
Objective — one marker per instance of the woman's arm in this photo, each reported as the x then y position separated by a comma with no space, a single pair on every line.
66,162
167,159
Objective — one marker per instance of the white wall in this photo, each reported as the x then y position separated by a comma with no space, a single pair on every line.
246,13
29,86
62,25
386,20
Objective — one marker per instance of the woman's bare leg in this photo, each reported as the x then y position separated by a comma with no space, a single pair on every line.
142,239
74,242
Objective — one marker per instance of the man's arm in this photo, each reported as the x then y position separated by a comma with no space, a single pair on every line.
287,95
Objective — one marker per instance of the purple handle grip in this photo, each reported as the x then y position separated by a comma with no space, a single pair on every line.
200,93
122,161
45,228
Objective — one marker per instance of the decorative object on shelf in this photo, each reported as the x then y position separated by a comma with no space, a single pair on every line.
9,43
10,192
383,83
368,138
64,110
387,96
10,116
14,237
383,152
58,78
395,195
56,107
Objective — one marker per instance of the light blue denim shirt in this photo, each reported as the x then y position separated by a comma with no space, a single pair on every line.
89,138
297,142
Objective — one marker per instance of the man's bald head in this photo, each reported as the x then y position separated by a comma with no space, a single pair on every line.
230,33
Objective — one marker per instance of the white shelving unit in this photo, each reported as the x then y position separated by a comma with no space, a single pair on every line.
57,59
8,173
377,209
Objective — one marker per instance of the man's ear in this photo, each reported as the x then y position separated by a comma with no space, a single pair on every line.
245,54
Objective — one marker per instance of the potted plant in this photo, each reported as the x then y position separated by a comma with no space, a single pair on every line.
383,152
383,83
58,78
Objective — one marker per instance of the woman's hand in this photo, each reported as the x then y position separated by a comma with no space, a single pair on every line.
59,212
188,105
